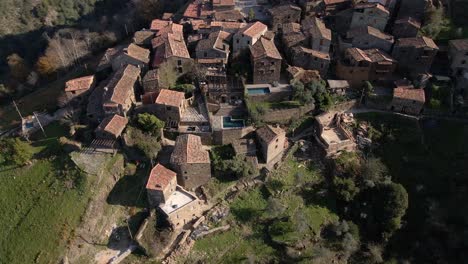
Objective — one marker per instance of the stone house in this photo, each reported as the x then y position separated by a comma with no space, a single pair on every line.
119,93
310,59
159,24
170,49
143,38
367,38
283,14
309,7
111,127
332,135
191,161
407,99
266,61
178,206
406,27
162,182
370,14
272,141
229,16
458,55
151,81
198,9
292,35
223,5
320,36
358,66
78,87
248,36
415,55
170,105
331,7
216,46
133,55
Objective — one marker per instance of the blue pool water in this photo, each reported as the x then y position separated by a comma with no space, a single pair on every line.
253,91
228,122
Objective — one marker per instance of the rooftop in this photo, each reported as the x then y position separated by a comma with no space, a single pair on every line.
120,86
82,83
316,23
459,44
178,199
418,42
265,48
189,149
338,84
253,29
315,53
113,124
269,133
138,53
170,97
283,9
160,177
409,93
360,31
372,5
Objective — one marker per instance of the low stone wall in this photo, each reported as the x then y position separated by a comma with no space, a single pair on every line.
284,116
345,106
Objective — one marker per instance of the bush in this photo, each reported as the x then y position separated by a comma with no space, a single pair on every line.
150,123
15,151
145,143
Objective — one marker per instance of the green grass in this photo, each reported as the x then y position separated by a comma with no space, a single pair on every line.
249,205
39,208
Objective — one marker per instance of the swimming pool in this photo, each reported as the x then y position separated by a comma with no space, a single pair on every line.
254,91
228,122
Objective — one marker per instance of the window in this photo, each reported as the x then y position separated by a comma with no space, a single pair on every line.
237,41
180,69
179,62
272,63
272,71
276,146
248,42
205,54
168,108
463,61
277,139
185,172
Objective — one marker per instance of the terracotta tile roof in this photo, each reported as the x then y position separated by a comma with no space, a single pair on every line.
170,97
459,44
142,36
370,55
198,9
372,5
227,26
293,39
417,42
334,2
409,94
228,15
168,45
269,133
264,48
113,125
138,53
360,31
283,9
216,40
82,83
289,28
314,53
160,177
196,23
109,55
149,98
158,24
120,86
220,3
253,30
189,149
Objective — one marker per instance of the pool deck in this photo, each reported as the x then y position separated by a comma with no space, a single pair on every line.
273,89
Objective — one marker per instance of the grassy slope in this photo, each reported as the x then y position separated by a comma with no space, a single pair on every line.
38,212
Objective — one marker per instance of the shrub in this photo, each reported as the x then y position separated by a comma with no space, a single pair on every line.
150,123
16,151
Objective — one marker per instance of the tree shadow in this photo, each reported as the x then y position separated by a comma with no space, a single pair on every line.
129,191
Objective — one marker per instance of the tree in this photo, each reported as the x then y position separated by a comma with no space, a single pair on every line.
390,202
345,188
18,68
251,14
16,151
150,123
435,22
167,75
374,172
149,9
45,66
144,143
187,88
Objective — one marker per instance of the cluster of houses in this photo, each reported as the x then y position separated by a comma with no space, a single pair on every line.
345,42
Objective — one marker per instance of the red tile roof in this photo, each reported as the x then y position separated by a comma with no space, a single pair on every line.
82,83
269,133
113,125
219,3
170,97
120,86
158,24
264,47
189,149
254,30
159,178
409,93
418,42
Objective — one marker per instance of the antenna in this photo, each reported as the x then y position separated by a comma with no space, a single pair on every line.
40,125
